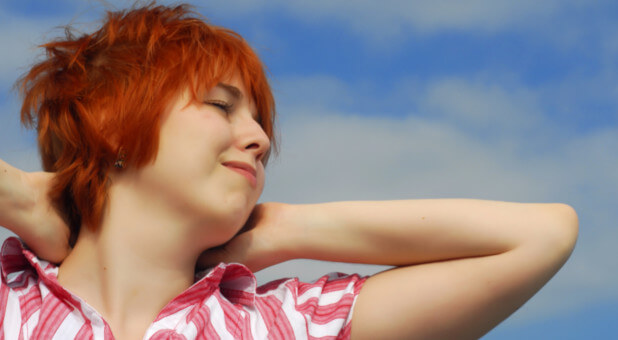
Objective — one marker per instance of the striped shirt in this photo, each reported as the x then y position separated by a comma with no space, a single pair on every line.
224,303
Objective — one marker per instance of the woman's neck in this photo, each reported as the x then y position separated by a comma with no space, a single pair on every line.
137,261
126,285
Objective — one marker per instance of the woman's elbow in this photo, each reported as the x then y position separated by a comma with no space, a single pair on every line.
563,229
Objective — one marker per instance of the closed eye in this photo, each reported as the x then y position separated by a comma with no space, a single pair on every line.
222,105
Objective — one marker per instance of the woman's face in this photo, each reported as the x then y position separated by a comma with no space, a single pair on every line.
209,163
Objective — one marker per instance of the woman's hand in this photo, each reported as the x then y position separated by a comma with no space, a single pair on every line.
25,209
259,244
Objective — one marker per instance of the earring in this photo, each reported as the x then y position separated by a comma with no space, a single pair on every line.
120,161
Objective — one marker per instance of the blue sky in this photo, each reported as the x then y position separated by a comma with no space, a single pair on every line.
508,100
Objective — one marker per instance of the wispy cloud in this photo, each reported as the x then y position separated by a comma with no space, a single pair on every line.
380,20
482,105
19,37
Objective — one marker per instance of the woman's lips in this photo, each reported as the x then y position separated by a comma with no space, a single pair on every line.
244,169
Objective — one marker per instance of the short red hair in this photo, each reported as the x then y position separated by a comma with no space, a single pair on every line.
96,93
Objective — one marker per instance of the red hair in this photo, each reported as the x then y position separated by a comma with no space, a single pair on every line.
97,94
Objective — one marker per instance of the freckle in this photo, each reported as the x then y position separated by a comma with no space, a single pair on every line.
104,268
423,217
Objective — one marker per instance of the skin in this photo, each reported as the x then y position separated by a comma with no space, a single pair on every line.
25,210
462,266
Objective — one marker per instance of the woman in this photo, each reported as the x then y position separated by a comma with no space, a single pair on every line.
155,130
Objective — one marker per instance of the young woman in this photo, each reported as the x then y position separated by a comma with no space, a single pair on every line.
154,131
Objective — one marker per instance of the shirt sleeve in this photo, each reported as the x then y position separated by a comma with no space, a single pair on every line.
321,309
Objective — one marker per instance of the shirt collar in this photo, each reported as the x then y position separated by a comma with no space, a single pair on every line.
18,262
235,281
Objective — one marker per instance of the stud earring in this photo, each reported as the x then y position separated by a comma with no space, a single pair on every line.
120,161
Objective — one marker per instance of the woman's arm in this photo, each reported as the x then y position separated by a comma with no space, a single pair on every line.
480,261
463,265
26,211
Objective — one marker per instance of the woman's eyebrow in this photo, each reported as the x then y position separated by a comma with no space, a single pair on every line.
232,90
237,94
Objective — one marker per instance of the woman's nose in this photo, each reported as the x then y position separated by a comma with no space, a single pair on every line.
252,138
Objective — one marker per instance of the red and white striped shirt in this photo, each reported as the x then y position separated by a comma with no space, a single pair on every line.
225,303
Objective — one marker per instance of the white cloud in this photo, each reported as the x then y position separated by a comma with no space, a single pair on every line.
383,20
22,34
393,17
482,105
314,90
19,37
356,156
378,21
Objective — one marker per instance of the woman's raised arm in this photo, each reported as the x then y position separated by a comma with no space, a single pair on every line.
478,262
463,265
26,210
